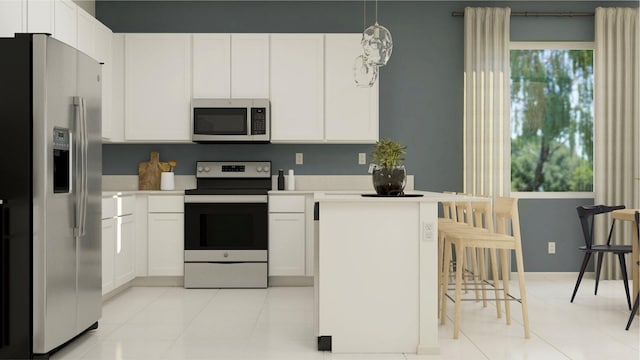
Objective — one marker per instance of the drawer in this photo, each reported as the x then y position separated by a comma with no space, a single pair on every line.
286,203
225,275
108,207
125,205
166,204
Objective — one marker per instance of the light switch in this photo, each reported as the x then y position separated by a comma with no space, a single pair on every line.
362,158
299,159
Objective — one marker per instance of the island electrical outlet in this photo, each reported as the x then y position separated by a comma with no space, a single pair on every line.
551,247
362,158
299,159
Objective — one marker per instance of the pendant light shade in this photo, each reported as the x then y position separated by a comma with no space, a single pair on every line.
364,74
377,45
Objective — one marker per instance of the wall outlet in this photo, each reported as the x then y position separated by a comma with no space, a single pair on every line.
551,247
299,159
362,158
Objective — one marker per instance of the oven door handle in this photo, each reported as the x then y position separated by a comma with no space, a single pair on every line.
225,199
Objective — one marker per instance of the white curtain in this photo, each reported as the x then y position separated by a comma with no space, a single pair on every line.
617,119
487,141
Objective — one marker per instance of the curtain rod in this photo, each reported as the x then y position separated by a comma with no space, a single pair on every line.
535,13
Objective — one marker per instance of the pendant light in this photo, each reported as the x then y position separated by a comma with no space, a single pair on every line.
364,74
377,43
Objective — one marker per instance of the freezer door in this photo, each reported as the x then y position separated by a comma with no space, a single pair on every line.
89,244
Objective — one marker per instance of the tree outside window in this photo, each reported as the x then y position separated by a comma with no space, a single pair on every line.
551,120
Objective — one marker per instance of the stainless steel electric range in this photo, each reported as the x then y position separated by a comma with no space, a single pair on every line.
226,225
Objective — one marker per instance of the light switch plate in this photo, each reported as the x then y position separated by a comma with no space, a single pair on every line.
551,247
299,159
427,231
362,158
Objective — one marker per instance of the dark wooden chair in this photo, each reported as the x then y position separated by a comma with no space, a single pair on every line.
587,219
634,310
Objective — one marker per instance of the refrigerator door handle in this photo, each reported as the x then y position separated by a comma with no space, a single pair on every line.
81,166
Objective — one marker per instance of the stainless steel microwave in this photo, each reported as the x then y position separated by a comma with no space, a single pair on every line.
230,120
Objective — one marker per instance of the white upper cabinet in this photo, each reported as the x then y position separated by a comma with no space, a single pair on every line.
297,85
250,66
86,33
13,17
351,112
40,16
113,122
65,21
103,50
157,87
212,66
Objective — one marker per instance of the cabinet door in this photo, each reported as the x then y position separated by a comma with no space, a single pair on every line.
297,108
13,17
86,37
157,87
40,16
250,66
286,244
115,122
125,250
108,254
65,21
166,244
351,112
212,66
103,53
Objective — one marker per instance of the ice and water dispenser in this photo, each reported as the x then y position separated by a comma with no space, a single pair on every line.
61,161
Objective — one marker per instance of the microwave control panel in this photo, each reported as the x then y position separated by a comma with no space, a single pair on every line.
258,121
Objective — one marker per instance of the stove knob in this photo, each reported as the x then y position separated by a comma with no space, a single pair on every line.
199,168
265,168
258,169
206,169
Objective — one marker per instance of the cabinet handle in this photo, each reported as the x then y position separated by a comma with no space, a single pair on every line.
285,219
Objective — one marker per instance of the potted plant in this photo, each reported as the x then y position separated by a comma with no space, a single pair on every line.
389,175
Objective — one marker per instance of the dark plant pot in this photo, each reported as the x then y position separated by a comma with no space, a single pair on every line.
390,181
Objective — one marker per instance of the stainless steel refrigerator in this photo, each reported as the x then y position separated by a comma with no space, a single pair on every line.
50,190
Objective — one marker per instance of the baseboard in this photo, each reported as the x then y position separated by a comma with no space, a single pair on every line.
158,281
290,280
117,291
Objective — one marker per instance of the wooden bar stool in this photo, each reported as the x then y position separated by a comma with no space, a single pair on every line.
506,209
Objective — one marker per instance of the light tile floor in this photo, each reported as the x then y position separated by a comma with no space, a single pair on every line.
277,323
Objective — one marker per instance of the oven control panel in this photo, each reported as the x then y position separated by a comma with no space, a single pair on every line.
233,169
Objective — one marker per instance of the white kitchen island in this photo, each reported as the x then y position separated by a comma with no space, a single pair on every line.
376,273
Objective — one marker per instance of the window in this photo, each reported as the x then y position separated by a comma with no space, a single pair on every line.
552,117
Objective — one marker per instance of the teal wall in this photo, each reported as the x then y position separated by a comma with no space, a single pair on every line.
421,93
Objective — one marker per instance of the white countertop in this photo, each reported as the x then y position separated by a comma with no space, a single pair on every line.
356,196
109,193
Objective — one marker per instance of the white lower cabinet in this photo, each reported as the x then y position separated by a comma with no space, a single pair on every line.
286,244
287,235
125,250
108,252
166,235
118,241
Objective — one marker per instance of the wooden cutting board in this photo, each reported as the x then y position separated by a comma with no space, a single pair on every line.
149,173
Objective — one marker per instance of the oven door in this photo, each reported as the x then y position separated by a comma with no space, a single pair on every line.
225,222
